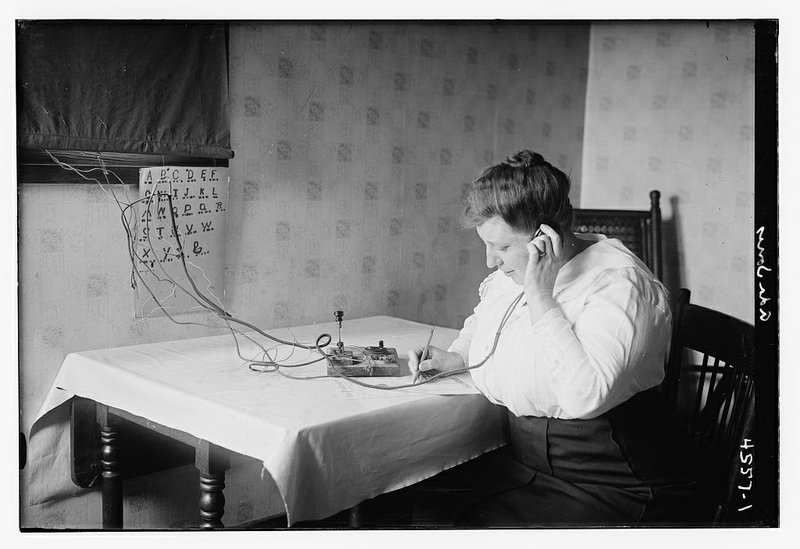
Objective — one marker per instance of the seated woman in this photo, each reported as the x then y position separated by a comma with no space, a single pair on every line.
571,334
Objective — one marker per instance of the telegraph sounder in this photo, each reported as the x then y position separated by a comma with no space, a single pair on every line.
354,361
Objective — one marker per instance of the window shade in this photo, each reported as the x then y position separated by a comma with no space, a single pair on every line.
125,87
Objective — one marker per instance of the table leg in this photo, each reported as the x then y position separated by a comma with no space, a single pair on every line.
211,461
110,462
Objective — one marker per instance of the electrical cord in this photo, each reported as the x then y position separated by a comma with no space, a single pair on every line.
440,375
265,365
203,300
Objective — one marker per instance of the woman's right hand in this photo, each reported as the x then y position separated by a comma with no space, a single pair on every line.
438,360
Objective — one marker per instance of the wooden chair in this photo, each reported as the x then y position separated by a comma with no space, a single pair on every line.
639,230
715,398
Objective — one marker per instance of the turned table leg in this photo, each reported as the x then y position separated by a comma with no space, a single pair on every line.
212,462
110,468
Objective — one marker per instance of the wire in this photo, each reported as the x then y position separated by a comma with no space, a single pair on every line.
440,375
265,363
203,300
126,224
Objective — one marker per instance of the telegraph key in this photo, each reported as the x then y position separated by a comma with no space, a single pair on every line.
356,361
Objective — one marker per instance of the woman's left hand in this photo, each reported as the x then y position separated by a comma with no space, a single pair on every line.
544,261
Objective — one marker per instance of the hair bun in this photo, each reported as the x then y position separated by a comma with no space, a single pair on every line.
524,159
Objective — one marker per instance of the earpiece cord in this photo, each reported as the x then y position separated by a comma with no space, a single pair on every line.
351,379
206,303
505,319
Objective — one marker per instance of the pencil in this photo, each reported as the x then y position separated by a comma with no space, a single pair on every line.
424,354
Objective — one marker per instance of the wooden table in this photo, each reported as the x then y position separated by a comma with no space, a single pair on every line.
211,461
198,393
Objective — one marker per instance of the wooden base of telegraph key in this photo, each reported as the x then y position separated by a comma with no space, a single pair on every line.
352,361
377,361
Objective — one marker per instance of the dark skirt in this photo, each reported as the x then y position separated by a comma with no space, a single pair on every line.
630,466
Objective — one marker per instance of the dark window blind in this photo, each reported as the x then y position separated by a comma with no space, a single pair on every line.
136,93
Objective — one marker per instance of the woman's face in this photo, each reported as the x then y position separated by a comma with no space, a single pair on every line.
506,248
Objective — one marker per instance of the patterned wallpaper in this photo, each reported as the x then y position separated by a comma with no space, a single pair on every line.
353,145
670,107
74,294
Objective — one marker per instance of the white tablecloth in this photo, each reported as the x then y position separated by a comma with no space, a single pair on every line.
327,443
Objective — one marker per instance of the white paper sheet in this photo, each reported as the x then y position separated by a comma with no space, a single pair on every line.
180,233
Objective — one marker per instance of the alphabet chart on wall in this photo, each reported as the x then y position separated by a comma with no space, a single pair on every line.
180,238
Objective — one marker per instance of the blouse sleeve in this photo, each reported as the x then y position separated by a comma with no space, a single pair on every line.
624,325
462,343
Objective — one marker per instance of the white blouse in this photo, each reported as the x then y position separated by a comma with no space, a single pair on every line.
605,341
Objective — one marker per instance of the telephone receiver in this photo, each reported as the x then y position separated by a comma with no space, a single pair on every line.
538,232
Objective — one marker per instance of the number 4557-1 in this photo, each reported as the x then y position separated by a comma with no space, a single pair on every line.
746,459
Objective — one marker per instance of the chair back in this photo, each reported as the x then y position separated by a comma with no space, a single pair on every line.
639,230
710,386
